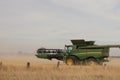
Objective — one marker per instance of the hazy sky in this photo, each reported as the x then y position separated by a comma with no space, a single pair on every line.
26,25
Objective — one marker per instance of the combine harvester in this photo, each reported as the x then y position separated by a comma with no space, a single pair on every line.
81,52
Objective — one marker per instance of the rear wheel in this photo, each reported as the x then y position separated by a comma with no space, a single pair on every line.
92,62
71,60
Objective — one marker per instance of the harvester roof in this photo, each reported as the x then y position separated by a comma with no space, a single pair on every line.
82,42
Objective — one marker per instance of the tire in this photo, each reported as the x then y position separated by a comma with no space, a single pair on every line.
71,60
92,62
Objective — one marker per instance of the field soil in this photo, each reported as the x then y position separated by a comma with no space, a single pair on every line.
15,68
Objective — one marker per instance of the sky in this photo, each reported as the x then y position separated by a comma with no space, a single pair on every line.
26,25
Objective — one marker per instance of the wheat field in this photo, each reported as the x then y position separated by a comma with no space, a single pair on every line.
14,68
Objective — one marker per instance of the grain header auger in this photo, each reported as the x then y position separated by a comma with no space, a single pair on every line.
80,52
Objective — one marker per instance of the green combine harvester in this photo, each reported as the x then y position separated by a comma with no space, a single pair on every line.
80,52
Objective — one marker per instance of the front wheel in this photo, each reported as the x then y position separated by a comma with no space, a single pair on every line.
71,60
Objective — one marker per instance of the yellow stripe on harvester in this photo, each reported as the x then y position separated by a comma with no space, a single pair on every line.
93,52
90,53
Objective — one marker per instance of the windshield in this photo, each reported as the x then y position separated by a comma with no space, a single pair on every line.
69,48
